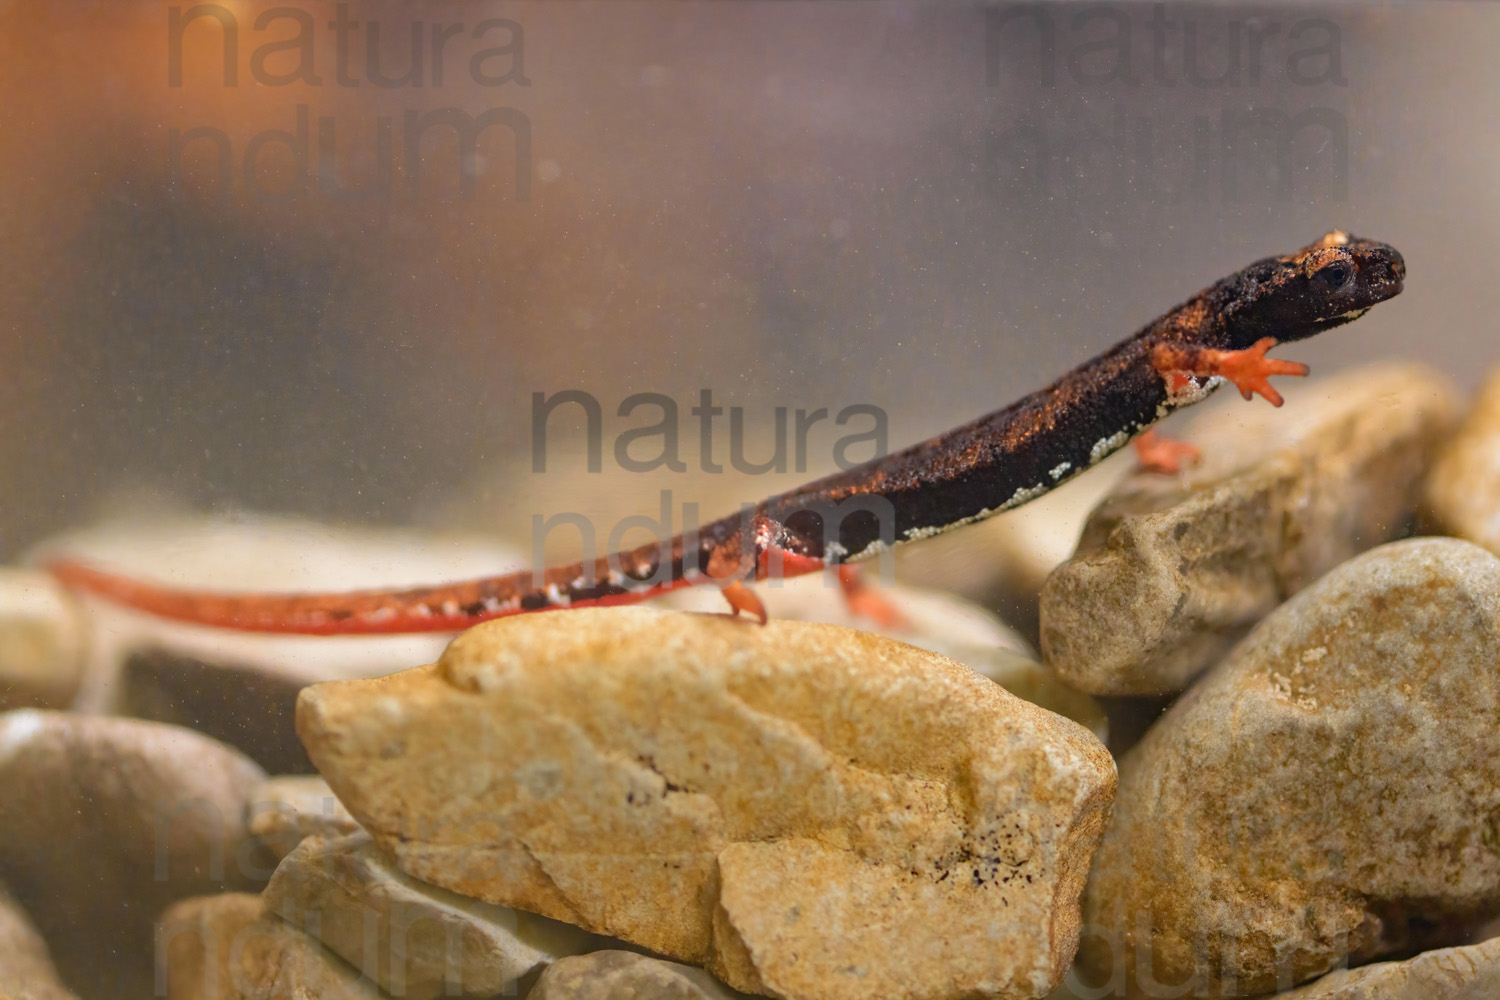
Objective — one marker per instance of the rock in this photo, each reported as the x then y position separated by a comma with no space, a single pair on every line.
1331,789
940,622
106,822
414,939
811,811
229,947
1468,973
1171,572
624,975
26,971
43,642
241,688
1462,492
288,809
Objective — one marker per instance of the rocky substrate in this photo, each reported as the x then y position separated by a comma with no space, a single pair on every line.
668,803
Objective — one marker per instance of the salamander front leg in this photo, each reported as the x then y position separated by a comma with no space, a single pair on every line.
1161,454
1249,369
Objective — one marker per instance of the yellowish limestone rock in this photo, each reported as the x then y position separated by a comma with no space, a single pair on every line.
812,812
933,620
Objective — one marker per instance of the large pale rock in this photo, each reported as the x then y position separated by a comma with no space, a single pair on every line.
1171,572
811,811
1331,789
103,822
43,642
26,971
624,975
1462,494
415,940
229,947
932,620
1468,973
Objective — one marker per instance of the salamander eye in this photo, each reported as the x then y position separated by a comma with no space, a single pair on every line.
1335,275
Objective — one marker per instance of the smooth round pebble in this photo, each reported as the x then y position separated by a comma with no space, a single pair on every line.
105,822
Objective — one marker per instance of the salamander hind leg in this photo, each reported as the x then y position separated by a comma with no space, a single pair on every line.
729,571
742,597
867,602
1248,369
1157,453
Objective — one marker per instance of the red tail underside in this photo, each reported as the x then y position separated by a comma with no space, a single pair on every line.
353,613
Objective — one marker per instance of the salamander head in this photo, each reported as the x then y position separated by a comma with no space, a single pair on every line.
1324,285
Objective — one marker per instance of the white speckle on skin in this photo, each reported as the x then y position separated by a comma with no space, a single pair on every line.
1195,391
876,547
1019,497
1057,473
1106,446
913,534
557,597
1022,495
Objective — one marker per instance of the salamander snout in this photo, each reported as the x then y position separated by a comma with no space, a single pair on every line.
1385,265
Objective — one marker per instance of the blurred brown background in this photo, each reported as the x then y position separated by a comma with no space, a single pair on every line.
920,207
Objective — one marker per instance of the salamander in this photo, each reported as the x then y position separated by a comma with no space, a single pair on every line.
992,464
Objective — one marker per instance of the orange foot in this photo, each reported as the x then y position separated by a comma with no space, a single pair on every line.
1248,369
867,602
1163,455
742,598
